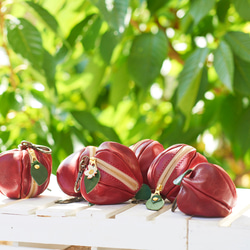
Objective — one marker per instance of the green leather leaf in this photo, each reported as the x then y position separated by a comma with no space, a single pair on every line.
178,180
39,172
155,202
91,183
144,193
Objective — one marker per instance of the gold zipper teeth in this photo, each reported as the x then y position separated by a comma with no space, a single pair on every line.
113,171
118,174
33,184
137,145
172,164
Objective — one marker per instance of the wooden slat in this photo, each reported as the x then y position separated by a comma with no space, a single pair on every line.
104,211
61,210
28,206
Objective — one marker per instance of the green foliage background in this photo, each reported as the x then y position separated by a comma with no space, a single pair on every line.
81,72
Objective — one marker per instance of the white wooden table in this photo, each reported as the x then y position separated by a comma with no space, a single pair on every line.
39,222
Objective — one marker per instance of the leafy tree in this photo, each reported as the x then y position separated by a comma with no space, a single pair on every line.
80,72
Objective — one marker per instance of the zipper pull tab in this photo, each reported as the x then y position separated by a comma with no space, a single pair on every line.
82,167
156,202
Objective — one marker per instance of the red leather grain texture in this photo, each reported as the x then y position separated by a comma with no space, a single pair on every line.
110,189
162,163
146,151
207,191
15,178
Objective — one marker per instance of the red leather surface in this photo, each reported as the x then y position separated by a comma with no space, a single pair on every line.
109,189
146,151
207,191
162,161
67,172
15,178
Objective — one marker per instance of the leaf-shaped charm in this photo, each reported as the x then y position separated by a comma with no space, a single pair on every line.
178,180
90,183
144,193
155,202
39,172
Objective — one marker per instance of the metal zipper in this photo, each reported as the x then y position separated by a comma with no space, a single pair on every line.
33,184
115,172
171,166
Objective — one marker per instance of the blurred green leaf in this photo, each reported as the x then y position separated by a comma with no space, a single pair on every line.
222,9
108,42
241,76
89,122
146,56
90,35
26,40
189,81
49,67
154,5
224,65
119,84
242,7
71,40
239,43
199,9
114,13
93,79
45,15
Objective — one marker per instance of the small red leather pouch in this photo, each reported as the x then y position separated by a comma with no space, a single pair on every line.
107,174
166,167
207,190
69,169
146,151
25,172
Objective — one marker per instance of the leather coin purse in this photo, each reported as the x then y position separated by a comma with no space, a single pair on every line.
207,190
165,168
111,174
146,151
69,169
25,172
107,174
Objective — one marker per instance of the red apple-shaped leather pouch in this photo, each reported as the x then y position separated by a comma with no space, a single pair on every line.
69,171
207,190
25,172
110,174
165,168
146,151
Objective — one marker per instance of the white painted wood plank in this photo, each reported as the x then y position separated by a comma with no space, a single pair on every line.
61,210
104,211
242,207
28,206
141,213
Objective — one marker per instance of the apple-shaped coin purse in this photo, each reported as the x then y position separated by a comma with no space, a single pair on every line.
165,168
146,151
25,172
69,171
206,190
111,174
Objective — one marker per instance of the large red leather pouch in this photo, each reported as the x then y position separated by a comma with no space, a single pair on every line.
207,191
